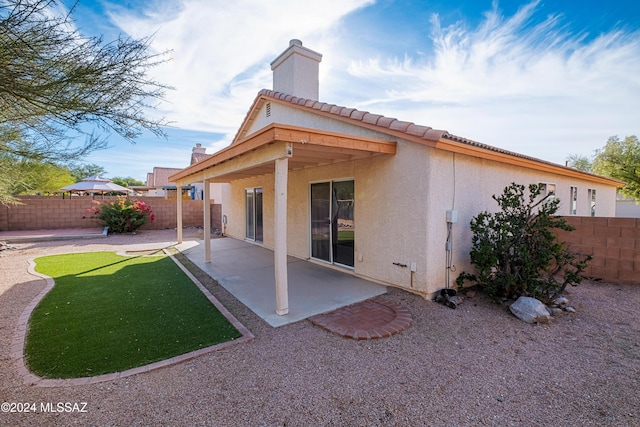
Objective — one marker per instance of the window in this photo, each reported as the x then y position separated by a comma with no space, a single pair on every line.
591,196
574,200
548,190
253,197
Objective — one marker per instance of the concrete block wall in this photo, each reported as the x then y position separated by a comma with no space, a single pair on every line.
41,213
614,244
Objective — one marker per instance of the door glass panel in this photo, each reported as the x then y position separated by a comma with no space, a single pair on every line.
250,209
321,220
342,223
258,197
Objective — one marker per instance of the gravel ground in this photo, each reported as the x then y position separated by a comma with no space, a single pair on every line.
476,365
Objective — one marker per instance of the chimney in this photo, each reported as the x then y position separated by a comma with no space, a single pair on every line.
295,71
198,149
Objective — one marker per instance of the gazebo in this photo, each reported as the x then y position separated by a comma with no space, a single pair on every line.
95,185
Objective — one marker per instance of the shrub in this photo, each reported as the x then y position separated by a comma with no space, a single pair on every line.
123,215
515,252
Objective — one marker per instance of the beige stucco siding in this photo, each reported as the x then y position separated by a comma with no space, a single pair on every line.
390,213
401,202
474,181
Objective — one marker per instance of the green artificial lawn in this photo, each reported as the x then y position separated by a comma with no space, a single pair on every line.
108,313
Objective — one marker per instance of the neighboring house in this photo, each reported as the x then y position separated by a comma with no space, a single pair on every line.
160,185
379,197
198,154
627,208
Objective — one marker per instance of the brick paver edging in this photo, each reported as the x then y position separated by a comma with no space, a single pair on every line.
16,352
371,319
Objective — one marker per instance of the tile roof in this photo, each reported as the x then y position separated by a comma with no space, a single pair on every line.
414,132
377,120
388,124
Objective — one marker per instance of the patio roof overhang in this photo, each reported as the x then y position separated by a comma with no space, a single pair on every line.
256,154
275,149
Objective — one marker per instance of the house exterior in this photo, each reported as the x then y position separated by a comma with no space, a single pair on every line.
198,154
384,199
159,183
627,208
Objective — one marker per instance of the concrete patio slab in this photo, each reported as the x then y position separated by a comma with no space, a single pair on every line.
247,271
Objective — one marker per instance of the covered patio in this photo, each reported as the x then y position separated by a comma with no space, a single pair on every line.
247,272
275,150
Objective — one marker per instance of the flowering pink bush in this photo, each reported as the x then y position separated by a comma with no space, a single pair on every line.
123,215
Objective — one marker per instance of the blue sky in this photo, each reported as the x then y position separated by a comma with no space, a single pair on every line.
543,78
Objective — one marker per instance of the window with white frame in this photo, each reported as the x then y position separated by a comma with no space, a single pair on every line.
574,200
591,196
548,190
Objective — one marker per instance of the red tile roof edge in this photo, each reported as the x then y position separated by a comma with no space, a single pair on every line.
388,123
423,132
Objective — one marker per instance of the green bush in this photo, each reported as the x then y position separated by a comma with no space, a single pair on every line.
514,251
123,215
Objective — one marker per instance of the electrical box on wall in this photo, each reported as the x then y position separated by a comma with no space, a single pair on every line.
452,216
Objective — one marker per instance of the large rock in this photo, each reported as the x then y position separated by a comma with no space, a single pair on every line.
530,310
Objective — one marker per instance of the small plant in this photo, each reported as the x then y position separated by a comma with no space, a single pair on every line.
515,252
123,215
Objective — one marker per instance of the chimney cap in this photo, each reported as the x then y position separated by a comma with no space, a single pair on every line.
295,46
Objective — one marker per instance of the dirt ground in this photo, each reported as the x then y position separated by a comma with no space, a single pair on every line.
475,365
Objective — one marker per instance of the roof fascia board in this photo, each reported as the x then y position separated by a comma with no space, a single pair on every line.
460,148
285,133
267,154
448,145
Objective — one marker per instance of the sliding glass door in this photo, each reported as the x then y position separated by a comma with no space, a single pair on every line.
253,203
332,222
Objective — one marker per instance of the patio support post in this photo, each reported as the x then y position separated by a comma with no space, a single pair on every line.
207,220
280,233
179,217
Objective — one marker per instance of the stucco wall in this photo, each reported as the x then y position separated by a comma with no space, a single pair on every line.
390,213
467,184
400,202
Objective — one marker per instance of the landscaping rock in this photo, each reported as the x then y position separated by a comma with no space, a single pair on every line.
555,311
530,310
561,301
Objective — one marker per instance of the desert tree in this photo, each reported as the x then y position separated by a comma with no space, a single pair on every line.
515,250
63,93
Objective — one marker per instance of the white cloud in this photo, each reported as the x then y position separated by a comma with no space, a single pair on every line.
221,50
518,82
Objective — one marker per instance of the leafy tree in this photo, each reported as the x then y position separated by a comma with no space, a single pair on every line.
579,162
126,182
515,252
81,172
32,176
620,159
62,93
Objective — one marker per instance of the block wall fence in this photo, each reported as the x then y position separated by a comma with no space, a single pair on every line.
614,244
42,213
